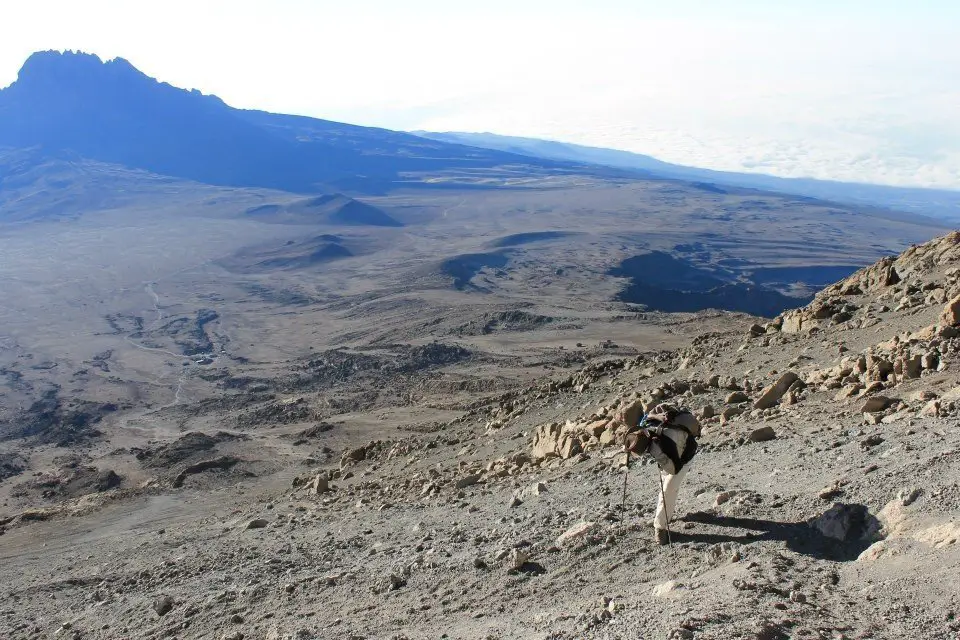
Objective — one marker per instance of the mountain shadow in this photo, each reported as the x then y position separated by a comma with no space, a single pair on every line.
662,282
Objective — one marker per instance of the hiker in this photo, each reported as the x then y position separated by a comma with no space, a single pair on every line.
670,435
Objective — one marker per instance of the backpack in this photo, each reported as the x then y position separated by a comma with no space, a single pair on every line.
664,417
671,416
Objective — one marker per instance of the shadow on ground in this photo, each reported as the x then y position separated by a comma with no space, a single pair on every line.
800,537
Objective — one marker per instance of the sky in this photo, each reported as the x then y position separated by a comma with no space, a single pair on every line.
852,90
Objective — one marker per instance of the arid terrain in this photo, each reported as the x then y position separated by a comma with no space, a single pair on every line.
230,410
365,449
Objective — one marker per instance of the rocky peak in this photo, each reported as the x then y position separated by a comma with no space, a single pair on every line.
69,69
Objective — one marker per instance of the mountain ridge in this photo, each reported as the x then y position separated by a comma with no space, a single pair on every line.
112,112
942,203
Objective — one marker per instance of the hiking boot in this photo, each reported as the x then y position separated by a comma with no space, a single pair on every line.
662,537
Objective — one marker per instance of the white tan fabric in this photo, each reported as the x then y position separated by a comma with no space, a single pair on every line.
666,507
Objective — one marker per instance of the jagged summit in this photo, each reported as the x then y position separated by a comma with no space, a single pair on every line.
63,72
70,66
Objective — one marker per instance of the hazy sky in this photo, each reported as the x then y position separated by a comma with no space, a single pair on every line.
865,90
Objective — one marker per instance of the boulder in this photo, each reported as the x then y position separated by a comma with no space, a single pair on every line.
609,436
532,491
320,484
792,322
876,403
569,446
737,397
772,394
762,434
951,312
930,360
546,439
847,523
912,366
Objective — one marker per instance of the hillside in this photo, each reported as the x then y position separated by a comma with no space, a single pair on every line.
464,491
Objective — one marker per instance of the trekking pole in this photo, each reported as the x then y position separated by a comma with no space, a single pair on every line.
623,503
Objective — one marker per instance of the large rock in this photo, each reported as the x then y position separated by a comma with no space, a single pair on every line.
771,395
792,322
546,440
569,446
517,558
319,484
847,523
552,440
951,313
876,403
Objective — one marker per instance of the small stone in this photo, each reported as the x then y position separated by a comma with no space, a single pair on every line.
468,481
576,532
236,618
163,605
909,496
289,587
798,597
762,434
723,497
829,493
737,397
664,589
517,558
515,502
258,523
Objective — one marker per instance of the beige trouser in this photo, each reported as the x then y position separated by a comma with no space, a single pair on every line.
667,503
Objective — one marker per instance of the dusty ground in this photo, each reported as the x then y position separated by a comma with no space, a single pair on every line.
164,424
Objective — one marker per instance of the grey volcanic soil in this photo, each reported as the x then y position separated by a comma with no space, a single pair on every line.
464,514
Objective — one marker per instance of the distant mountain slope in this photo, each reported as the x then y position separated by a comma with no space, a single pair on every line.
335,209
35,185
111,112
939,203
